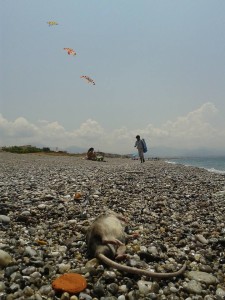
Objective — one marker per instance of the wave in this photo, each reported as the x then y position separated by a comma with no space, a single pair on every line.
215,171
211,165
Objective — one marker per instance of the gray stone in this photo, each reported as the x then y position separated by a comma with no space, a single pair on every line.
2,286
202,277
201,239
193,287
4,219
5,258
220,294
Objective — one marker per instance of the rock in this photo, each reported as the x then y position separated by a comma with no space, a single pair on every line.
121,297
202,277
99,289
4,219
201,239
193,287
123,288
145,287
5,258
220,294
28,270
84,296
65,296
63,268
29,251
113,288
28,291
2,286
93,263
73,297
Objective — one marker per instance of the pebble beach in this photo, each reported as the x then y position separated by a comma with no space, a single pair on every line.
47,204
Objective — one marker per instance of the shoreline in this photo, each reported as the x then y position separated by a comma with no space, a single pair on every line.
178,212
211,164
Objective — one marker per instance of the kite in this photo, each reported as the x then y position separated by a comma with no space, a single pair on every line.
89,80
51,23
70,51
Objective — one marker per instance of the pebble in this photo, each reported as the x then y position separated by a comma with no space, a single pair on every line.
4,219
201,239
84,296
177,213
202,277
220,293
2,286
193,286
5,258
145,287
121,297
64,268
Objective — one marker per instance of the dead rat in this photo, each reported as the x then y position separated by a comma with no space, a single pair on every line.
106,241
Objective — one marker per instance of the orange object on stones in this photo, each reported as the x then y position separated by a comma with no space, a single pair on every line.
70,282
77,195
40,242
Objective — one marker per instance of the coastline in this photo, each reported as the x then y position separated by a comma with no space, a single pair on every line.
178,212
214,164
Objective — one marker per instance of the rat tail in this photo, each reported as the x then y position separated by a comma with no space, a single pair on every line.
133,270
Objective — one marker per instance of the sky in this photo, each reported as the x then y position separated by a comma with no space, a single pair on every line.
159,69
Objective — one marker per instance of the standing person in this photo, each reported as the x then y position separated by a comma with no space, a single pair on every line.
139,146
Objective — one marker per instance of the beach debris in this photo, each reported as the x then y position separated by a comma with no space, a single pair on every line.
77,195
41,242
70,51
70,282
52,23
88,79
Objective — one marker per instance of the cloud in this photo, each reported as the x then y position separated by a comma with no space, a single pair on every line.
192,130
89,129
20,128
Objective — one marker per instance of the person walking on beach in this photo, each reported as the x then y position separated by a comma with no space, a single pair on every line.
139,146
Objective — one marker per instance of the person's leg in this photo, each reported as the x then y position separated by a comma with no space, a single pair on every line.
141,154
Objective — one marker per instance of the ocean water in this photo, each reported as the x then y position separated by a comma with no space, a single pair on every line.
212,164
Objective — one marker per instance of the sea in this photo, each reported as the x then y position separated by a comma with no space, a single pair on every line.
212,164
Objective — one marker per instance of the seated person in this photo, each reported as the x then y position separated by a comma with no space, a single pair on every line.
91,155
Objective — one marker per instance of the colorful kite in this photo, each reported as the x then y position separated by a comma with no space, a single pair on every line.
89,80
70,51
52,23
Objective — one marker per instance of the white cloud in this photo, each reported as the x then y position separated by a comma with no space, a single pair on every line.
18,129
89,129
190,131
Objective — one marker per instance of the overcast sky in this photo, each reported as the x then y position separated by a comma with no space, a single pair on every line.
159,69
